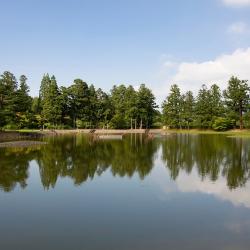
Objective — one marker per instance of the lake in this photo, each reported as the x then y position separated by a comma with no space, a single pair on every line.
177,192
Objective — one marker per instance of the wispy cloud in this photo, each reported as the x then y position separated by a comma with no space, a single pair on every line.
238,28
236,3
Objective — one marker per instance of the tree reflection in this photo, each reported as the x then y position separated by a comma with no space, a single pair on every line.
82,157
210,155
14,166
236,165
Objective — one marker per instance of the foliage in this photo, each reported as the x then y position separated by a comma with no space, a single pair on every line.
223,124
172,107
237,97
83,106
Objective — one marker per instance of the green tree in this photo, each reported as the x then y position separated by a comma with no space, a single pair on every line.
216,103
237,97
79,101
188,108
146,106
92,106
118,101
203,108
50,101
23,100
8,104
131,109
104,108
65,106
172,107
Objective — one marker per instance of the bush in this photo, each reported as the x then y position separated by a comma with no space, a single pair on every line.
223,124
10,127
82,124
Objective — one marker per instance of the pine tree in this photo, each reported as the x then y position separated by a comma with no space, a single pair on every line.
23,99
131,109
79,102
50,100
172,107
237,97
118,94
8,104
188,108
216,103
92,106
203,108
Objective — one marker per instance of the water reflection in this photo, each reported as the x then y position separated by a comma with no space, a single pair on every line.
14,165
212,155
188,181
82,157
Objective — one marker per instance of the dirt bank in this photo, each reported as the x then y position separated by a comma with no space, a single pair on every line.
13,135
14,144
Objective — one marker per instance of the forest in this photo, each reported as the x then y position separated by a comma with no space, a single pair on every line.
83,106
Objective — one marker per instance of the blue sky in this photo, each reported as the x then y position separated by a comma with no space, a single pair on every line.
107,42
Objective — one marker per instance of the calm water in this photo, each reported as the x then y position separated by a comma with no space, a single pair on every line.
181,192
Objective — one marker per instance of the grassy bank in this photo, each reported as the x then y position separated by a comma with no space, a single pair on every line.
231,133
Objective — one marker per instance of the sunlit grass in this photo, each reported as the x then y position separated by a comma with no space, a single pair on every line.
231,133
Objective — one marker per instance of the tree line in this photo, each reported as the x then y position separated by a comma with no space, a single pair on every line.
78,106
211,108
83,106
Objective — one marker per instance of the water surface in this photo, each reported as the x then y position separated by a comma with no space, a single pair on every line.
178,192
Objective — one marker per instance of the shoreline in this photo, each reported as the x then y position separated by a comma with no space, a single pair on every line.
35,134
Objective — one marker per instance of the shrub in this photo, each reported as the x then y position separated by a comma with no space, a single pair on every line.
10,126
223,124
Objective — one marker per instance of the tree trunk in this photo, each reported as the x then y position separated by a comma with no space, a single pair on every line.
241,120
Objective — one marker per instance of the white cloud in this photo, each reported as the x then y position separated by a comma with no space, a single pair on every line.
169,64
219,189
192,183
191,75
236,3
238,28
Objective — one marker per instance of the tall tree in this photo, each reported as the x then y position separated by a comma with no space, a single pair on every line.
23,99
79,101
146,106
216,103
131,109
8,105
188,108
92,106
50,100
104,108
237,97
203,108
118,94
172,107
65,106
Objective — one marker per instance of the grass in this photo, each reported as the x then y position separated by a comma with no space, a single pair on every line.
230,133
21,130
